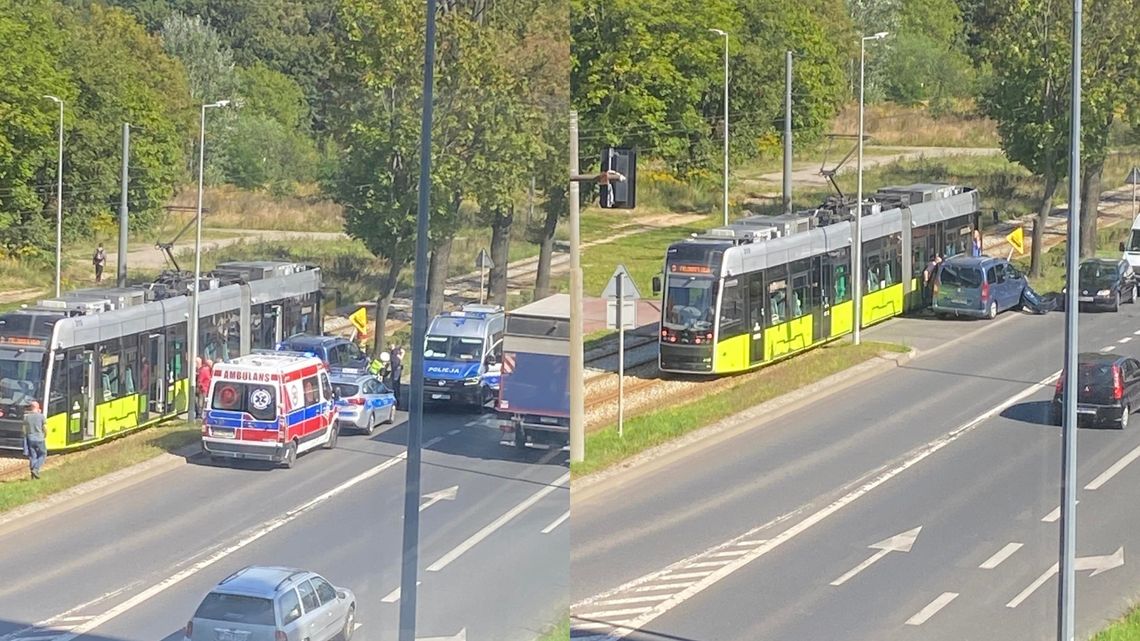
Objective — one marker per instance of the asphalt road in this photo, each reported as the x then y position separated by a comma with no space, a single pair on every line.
946,463
134,566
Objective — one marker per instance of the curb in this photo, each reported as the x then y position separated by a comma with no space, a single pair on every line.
751,418
85,492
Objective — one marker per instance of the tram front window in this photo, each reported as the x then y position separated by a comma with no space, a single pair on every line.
21,380
690,303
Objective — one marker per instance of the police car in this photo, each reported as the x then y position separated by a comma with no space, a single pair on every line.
363,401
463,353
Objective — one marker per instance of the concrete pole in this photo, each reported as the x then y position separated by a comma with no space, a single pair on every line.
411,552
726,129
1068,540
577,357
857,240
788,132
123,230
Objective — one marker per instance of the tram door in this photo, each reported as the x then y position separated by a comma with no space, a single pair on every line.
756,316
84,406
71,379
154,374
823,287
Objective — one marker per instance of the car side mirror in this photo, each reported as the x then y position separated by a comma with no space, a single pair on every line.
341,594
657,285
1122,246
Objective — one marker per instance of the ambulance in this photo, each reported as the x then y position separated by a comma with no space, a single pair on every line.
269,406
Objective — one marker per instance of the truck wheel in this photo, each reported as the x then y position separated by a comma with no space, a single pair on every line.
520,438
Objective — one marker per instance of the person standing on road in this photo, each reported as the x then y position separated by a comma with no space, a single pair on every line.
976,243
100,261
34,438
203,381
397,371
928,276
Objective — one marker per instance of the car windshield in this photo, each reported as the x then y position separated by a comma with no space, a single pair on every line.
1134,241
21,378
960,276
236,608
345,390
454,348
690,302
1097,274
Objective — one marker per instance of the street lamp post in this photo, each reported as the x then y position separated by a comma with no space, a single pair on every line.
191,408
857,241
725,34
58,199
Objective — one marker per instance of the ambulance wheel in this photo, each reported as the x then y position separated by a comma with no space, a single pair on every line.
334,431
290,455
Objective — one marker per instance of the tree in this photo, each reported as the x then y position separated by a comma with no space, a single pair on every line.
1027,97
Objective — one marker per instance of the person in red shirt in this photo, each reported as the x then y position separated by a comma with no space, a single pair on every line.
205,372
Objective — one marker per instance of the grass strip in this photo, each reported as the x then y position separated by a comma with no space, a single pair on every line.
605,449
559,632
1127,628
65,471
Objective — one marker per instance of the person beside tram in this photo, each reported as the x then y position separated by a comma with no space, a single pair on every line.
34,438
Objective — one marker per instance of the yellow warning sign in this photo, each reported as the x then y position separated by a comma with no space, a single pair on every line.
1017,239
359,320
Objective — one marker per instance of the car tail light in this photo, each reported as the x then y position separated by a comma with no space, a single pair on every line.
280,636
356,400
189,629
1117,384
281,430
985,290
1060,383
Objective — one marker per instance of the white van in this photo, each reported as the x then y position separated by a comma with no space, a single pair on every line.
1131,247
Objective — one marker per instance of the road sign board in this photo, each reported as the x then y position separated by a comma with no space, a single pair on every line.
483,260
1017,239
359,320
628,314
1133,177
629,289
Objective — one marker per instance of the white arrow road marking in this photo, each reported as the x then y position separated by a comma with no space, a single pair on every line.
897,543
930,610
496,524
394,595
442,495
252,536
460,636
550,528
866,485
1097,564
1000,556
1116,468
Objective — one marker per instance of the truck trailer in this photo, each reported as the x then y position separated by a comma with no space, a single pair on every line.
534,397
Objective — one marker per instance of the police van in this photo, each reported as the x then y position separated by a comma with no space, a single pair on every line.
269,406
463,352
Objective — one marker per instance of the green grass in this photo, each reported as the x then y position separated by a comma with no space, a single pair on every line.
1052,277
65,471
604,448
1127,628
559,632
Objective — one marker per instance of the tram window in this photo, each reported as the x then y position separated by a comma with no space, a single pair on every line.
892,259
129,364
110,375
840,262
732,309
176,351
57,399
756,300
777,302
801,302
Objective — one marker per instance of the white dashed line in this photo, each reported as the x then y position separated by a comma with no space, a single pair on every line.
937,604
1053,516
1124,340
1108,348
453,432
1000,556
559,521
1116,468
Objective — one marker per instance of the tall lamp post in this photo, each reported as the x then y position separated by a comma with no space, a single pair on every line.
191,408
58,199
725,34
857,242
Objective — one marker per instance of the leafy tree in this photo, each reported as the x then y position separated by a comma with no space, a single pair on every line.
261,152
270,93
209,62
29,67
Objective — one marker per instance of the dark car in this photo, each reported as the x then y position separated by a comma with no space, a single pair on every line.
1105,282
1108,389
979,286
335,351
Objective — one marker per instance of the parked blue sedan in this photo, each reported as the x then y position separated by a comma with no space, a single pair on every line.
363,401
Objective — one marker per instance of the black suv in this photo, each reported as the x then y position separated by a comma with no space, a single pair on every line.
1108,389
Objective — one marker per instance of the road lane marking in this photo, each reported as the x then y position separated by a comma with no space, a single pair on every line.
1053,516
1116,468
453,432
256,534
66,616
558,521
1136,333
615,613
1108,348
711,564
1000,556
496,524
661,586
394,595
1124,340
622,629
898,543
930,610
1097,564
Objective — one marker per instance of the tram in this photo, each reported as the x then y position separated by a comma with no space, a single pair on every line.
106,361
762,289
